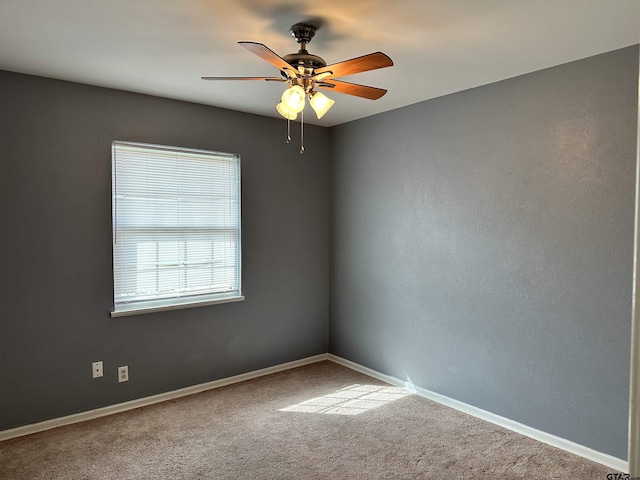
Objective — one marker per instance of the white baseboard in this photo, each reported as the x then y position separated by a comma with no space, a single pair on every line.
558,442
567,445
162,397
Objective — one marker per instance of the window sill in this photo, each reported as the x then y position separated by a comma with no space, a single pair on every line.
173,304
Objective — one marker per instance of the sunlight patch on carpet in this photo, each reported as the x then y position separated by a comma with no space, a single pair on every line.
351,400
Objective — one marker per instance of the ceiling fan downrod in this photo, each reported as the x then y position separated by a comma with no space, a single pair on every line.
304,61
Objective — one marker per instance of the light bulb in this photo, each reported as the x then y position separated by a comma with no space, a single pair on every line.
282,110
320,103
293,99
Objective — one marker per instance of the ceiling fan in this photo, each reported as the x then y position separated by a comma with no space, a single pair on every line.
305,72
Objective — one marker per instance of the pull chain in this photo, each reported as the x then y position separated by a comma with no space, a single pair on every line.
302,132
288,130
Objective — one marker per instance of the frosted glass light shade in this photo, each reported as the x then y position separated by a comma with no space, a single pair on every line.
293,99
320,104
282,110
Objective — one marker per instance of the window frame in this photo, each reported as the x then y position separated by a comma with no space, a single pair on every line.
179,300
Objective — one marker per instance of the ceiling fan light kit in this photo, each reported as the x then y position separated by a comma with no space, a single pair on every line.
320,103
304,72
282,110
293,99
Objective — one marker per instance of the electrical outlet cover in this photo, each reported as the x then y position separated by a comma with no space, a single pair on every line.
96,369
123,374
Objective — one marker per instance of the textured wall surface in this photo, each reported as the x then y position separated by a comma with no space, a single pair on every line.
56,251
482,246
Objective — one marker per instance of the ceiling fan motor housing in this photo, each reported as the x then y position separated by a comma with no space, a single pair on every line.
304,59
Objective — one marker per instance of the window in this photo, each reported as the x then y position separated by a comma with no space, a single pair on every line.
176,227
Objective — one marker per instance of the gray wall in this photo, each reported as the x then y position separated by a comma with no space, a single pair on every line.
482,246
57,284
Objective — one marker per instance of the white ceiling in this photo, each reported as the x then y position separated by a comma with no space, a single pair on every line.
163,47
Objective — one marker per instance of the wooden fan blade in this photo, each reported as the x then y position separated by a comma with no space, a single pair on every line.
270,56
268,79
372,93
365,63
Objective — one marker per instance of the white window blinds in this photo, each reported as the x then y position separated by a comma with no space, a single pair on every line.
176,226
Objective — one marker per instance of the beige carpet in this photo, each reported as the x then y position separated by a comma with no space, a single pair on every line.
321,421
